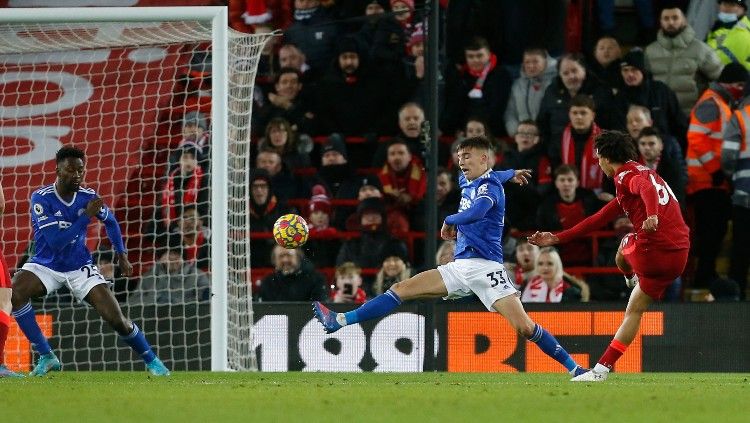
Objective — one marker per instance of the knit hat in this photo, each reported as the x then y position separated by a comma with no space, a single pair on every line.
196,118
371,180
347,44
409,3
371,205
742,3
256,12
260,174
733,72
385,4
335,143
394,248
635,59
319,200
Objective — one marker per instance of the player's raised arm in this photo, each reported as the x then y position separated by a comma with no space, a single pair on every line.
607,213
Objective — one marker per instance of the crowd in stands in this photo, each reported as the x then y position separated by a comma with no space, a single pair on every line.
336,127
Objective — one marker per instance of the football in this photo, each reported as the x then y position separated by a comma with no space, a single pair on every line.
290,231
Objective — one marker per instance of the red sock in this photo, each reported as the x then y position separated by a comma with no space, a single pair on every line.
613,353
4,327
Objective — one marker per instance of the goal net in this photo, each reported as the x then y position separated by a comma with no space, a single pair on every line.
159,99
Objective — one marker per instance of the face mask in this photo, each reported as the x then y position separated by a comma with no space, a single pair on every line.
727,17
735,92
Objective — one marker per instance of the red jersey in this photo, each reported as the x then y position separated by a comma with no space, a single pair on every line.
641,192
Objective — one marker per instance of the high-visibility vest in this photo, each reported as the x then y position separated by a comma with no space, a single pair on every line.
741,175
704,143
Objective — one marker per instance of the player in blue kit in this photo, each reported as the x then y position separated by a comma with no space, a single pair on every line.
60,215
478,268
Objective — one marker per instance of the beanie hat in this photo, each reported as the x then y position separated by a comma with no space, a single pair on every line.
319,200
394,248
371,180
260,174
335,143
371,205
733,72
409,3
635,59
347,44
256,12
385,4
742,3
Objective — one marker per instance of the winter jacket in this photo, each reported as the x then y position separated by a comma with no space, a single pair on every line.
679,62
526,96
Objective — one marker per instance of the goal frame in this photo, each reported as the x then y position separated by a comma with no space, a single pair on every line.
217,15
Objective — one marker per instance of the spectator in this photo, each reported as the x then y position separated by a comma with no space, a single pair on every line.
571,81
313,32
194,134
338,176
283,181
366,250
569,205
670,166
537,73
350,97
104,261
734,152
410,119
172,281
479,88
291,280
287,102
638,118
445,253
528,154
447,195
290,56
707,188
523,268
414,71
323,244
186,185
548,285
348,286
606,65
681,60
395,267
193,238
282,138
576,145
398,222
264,209
639,88
403,178
730,35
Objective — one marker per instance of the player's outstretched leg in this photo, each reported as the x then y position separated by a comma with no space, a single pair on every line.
510,307
637,305
101,298
427,284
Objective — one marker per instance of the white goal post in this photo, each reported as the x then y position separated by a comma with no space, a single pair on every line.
108,78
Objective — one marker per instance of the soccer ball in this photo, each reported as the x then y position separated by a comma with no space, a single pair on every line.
290,231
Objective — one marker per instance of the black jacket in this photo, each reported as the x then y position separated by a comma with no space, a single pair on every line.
491,107
302,285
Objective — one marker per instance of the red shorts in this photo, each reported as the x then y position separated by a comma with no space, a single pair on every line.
656,268
5,281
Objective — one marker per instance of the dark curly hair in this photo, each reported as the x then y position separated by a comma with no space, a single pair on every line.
615,146
67,152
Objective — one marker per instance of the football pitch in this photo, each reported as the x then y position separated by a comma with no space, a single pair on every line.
377,397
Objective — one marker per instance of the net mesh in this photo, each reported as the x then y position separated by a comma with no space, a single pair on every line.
136,97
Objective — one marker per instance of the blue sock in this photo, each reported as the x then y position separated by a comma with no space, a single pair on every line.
376,307
26,319
139,344
547,343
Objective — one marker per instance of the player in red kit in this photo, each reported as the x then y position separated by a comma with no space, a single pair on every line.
5,305
652,257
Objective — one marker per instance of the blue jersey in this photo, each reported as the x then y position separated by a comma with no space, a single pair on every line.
51,216
483,238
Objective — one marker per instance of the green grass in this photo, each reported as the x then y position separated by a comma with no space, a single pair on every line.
355,397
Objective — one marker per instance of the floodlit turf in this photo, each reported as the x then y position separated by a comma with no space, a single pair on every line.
348,397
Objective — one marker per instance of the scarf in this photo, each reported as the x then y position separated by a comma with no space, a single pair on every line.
537,291
304,14
481,76
264,210
591,173
416,185
189,194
